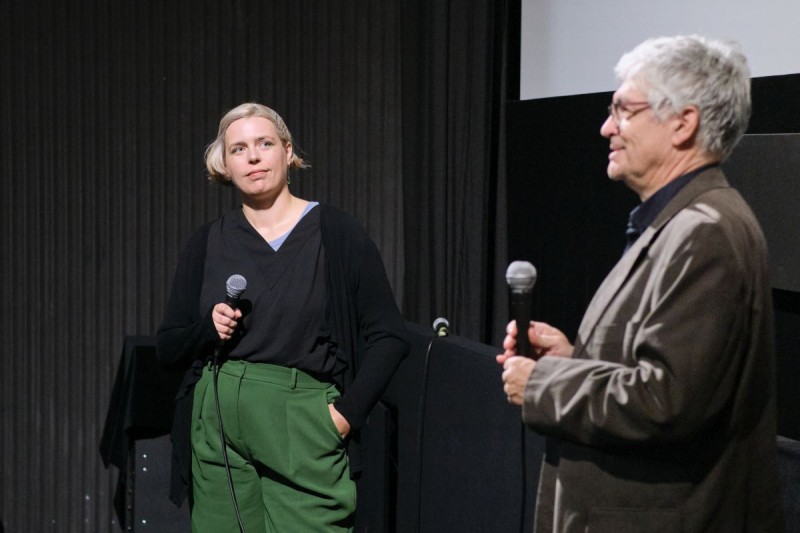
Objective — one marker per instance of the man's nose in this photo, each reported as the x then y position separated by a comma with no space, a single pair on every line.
609,127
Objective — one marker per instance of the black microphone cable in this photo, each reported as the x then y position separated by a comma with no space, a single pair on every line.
441,328
222,443
234,288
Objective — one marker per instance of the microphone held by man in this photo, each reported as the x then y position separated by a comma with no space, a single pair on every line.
521,276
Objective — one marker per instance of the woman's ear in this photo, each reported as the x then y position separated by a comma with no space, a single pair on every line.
289,153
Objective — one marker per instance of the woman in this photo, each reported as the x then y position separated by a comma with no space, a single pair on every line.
303,359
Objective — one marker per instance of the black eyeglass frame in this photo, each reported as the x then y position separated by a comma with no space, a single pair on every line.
615,109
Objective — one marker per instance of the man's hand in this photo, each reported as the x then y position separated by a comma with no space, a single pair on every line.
516,372
545,340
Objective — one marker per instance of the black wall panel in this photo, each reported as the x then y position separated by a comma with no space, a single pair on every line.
765,168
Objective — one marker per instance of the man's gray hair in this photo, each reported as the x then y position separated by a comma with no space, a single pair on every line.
712,75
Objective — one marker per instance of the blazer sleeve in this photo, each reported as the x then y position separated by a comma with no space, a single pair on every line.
672,367
185,334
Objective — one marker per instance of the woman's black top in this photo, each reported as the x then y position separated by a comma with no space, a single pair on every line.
355,336
284,301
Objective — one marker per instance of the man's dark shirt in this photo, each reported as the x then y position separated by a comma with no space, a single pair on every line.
645,213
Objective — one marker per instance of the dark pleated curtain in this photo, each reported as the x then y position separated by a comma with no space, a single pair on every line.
105,111
453,94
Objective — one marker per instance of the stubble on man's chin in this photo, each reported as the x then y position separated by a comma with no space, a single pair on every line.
613,174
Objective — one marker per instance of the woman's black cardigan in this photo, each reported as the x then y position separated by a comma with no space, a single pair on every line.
366,328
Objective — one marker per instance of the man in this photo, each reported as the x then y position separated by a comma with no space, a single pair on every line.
661,417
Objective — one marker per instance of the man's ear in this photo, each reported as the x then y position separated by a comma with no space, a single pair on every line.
684,126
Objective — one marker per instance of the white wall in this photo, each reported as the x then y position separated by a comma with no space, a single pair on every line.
571,46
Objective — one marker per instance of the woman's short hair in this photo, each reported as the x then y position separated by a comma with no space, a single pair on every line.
712,75
215,153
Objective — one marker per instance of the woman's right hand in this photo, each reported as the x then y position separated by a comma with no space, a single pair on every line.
225,320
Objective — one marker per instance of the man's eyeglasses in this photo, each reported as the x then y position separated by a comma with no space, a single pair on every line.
622,110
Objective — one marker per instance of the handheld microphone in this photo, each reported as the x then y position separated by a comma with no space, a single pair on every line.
520,276
441,326
234,288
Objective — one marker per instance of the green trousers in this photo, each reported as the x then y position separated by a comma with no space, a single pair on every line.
288,461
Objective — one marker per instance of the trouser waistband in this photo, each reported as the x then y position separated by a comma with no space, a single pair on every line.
278,375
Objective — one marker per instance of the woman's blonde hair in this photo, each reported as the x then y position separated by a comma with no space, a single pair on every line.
215,153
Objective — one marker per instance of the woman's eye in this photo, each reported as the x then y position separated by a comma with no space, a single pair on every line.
266,143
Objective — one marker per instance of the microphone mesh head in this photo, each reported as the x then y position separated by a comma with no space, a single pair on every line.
235,285
520,276
441,321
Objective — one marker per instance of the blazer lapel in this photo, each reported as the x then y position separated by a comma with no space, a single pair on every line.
712,178
609,289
